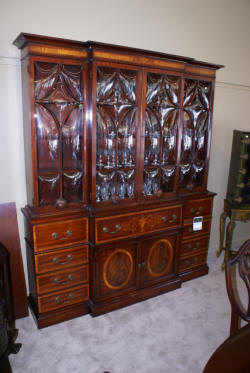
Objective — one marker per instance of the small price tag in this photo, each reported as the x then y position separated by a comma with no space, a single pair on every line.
197,223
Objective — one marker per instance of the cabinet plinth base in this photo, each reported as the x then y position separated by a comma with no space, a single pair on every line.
55,317
100,307
194,272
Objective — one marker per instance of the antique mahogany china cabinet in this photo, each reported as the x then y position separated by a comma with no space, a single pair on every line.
117,149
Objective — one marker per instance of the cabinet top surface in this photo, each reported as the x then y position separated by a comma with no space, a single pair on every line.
25,39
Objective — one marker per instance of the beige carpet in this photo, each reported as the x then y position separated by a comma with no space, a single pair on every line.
172,333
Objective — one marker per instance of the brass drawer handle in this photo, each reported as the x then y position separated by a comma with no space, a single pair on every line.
68,234
164,218
70,296
57,280
117,228
188,263
174,217
200,209
69,258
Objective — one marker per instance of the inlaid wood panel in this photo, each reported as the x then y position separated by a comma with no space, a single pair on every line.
60,234
62,279
61,259
158,258
62,299
116,269
112,228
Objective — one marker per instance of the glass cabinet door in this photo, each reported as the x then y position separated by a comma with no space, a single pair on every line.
59,132
195,134
116,134
161,133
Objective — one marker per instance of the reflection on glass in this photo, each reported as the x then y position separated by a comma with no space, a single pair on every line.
59,129
195,132
161,123
116,133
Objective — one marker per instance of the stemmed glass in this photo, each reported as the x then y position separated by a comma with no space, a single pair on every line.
149,184
155,143
187,138
110,150
106,189
167,172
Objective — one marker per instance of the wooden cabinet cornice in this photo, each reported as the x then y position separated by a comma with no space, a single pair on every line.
117,144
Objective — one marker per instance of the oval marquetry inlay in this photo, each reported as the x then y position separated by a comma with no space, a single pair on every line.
160,258
118,269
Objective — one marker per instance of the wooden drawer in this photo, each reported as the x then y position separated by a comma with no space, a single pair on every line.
191,247
129,225
198,207
61,259
188,231
193,261
63,298
62,279
60,234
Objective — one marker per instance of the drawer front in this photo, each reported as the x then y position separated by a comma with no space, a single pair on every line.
188,231
129,225
61,259
60,234
191,247
62,299
198,207
62,279
193,261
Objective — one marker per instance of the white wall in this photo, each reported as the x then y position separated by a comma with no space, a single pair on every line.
215,31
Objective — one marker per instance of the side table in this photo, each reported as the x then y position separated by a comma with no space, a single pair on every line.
234,214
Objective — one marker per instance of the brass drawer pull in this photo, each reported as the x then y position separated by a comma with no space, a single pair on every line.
200,209
70,296
117,229
68,234
164,218
57,280
188,263
69,258
174,217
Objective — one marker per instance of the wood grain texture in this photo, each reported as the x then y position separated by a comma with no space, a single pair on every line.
9,236
60,234
139,223
61,299
61,259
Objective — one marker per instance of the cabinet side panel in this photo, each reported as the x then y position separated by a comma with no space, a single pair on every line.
27,130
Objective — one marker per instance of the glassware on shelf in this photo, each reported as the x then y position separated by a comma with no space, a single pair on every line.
126,184
149,185
104,188
187,138
155,147
198,166
98,193
121,185
130,189
185,168
110,150
168,171
100,153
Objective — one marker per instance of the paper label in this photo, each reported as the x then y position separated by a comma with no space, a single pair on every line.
197,223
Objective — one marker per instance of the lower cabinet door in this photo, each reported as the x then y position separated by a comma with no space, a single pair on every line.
159,257
115,269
